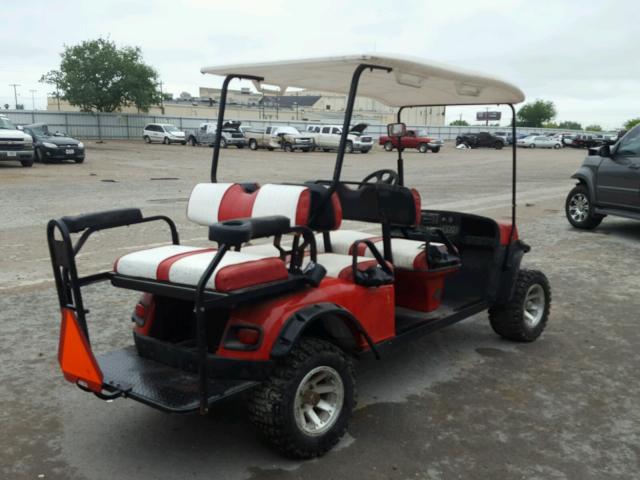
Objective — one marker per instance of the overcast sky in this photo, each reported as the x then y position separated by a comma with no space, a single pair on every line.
582,55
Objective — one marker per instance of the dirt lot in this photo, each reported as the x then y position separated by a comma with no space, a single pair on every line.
460,403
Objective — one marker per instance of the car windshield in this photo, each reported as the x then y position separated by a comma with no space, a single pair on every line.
630,145
5,124
40,130
171,128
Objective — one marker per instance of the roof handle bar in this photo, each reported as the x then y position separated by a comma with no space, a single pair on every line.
355,79
221,108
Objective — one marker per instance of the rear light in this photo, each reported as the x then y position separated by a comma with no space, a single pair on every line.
140,311
143,310
248,336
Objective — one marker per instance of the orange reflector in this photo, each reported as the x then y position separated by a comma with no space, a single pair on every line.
74,354
248,336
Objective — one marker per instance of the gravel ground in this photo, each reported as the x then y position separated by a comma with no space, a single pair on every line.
461,403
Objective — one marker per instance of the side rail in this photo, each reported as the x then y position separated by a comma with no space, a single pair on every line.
63,254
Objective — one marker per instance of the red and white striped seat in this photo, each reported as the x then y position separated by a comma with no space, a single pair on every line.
185,265
340,266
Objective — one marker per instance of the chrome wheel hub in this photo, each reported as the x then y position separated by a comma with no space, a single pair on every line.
318,401
534,305
579,207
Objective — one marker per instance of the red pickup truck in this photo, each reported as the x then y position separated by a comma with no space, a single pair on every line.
414,138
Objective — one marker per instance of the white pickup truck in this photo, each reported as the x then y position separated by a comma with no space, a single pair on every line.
285,137
14,143
206,135
327,137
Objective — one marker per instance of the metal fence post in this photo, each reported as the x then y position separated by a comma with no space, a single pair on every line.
66,122
128,131
99,128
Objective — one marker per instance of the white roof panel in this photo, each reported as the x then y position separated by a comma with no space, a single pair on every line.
412,81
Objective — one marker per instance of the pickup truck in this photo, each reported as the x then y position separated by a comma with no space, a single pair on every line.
480,139
206,135
414,138
14,143
285,137
327,137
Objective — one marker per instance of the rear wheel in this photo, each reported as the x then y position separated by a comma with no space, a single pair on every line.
192,141
288,147
253,145
223,143
388,146
579,209
498,145
348,148
303,409
525,316
435,149
423,147
533,145
39,155
166,141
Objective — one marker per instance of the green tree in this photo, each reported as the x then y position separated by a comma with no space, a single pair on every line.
569,125
97,75
459,123
536,113
593,128
629,124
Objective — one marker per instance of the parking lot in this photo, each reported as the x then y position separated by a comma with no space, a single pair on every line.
461,403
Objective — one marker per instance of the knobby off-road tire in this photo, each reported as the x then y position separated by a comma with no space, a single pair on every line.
525,316
578,208
297,383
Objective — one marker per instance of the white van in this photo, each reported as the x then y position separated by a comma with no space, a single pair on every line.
163,132
327,137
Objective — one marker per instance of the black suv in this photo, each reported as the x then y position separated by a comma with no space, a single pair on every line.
481,139
608,183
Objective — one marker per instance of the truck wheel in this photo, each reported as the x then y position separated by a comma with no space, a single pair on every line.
388,146
303,409
27,162
146,139
223,143
288,147
365,150
192,141
435,149
326,149
270,149
423,147
533,145
525,316
253,145
579,211
498,145
348,148
39,156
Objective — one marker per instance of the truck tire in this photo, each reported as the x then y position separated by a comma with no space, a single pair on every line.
435,149
423,148
498,145
388,146
525,316
348,148
365,150
304,407
192,141
27,162
146,139
223,143
253,145
578,208
288,147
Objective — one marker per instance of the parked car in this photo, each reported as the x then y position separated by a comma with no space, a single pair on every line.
163,132
285,137
608,183
206,135
414,138
481,139
586,141
50,146
327,137
14,143
539,141
505,136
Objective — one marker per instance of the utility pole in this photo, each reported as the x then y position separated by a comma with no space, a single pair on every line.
15,93
33,99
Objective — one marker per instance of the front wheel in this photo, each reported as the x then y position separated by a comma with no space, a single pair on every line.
526,314
166,141
146,139
498,145
304,407
423,147
533,145
348,148
557,146
288,147
193,142
579,209
388,146
27,162
253,144
223,143
435,149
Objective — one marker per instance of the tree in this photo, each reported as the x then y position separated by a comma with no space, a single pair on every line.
459,123
536,113
97,75
20,106
167,96
629,124
569,125
593,128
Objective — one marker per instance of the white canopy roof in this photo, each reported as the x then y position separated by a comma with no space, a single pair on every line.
412,81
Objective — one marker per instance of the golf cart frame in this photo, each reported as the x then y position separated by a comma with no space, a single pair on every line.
234,344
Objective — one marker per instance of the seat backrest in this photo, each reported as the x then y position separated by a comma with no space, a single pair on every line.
216,202
381,203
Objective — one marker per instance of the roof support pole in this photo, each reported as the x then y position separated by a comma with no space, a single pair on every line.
353,90
221,108
514,147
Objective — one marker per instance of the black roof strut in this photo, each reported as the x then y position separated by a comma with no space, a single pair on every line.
221,109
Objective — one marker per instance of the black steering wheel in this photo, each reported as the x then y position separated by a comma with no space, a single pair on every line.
390,177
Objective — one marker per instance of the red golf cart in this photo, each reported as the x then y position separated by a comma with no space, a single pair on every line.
283,321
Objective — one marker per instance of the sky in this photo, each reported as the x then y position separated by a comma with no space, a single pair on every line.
582,55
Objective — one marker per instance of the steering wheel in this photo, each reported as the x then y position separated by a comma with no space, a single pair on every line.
390,177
